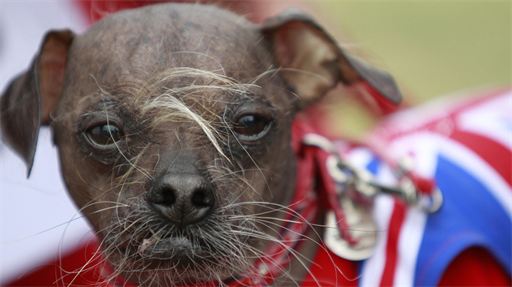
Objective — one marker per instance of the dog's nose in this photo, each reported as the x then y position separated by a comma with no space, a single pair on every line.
182,199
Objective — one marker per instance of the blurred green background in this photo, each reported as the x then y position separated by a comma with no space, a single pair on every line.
431,47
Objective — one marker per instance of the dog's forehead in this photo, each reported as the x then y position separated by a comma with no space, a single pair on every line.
140,44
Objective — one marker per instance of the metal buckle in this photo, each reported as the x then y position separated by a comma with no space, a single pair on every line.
357,189
356,200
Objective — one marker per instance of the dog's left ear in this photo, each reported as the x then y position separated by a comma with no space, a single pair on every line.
312,63
32,98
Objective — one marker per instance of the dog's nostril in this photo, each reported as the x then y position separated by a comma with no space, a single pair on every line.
168,197
161,195
202,198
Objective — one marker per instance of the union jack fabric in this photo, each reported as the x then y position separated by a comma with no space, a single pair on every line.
466,146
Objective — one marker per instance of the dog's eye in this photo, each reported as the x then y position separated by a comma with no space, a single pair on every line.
104,135
251,125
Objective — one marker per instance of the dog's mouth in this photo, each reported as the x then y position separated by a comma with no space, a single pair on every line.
177,260
142,248
182,252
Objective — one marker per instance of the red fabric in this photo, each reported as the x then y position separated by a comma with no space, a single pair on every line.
329,270
95,10
494,153
397,219
63,271
475,267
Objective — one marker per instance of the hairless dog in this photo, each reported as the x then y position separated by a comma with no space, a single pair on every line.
174,129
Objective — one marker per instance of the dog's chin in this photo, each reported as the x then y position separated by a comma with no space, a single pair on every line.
147,250
172,261
177,260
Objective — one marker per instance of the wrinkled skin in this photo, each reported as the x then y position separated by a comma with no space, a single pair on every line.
111,75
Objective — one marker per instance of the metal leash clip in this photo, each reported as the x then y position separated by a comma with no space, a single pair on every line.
364,183
356,189
356,199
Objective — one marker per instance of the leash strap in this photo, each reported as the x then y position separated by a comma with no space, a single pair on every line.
348,194
326,181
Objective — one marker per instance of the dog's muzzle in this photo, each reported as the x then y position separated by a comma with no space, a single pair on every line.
182,199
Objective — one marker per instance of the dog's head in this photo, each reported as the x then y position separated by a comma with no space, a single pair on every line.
173,124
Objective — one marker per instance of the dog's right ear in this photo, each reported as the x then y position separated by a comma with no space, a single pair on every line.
32,98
